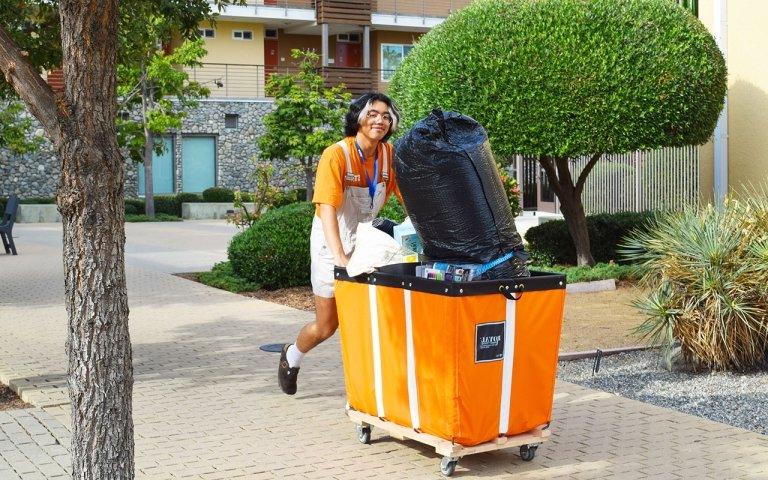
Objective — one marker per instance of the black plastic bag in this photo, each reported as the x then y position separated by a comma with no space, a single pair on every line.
454,195
385,225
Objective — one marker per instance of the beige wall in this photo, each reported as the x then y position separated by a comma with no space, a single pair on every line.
747,92
286,43
225,49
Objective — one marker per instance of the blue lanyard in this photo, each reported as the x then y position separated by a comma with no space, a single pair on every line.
371,185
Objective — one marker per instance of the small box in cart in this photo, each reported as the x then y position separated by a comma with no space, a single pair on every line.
463,366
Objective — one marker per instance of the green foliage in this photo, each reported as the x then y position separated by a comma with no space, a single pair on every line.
218,194
551,244
512,189
168,204
37,201
159,217
307,117
134,206
3,203
600,271
14,126
224,277
186,197
575,77
289,197
392,210
707,272
274,252
161,86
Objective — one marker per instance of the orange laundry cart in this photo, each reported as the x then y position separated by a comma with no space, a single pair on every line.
465,367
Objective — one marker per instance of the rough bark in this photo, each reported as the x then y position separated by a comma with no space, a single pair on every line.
81,124
309,177
571,206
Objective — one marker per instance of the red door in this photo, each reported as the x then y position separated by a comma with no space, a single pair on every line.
348,55
271,58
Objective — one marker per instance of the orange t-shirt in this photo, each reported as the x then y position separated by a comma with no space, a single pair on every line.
332,168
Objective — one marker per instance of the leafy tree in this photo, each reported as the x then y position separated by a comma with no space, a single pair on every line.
82,37
560,79
163,91
307,117
14,128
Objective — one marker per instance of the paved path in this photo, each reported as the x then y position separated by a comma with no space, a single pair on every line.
206,405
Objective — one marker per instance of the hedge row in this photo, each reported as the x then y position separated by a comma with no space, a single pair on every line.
551,244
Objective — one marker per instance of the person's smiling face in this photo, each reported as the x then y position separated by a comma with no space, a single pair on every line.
377,122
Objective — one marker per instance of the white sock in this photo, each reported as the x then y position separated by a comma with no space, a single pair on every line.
294,356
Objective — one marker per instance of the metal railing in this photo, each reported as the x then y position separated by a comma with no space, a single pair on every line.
300,4
418,8
665,179
228,80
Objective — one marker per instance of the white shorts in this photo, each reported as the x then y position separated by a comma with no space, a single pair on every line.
321,270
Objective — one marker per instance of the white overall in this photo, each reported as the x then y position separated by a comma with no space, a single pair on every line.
356,207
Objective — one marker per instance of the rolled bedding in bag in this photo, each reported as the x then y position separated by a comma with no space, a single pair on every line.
455,197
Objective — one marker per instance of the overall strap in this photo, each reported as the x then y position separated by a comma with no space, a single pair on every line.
385,167
350,176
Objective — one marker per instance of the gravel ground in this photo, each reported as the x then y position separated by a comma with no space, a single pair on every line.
737,399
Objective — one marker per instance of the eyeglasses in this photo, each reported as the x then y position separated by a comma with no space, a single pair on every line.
373,114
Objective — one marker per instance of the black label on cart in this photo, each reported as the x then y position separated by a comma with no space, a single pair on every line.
489,342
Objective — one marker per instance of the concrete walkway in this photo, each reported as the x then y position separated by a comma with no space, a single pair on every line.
206,405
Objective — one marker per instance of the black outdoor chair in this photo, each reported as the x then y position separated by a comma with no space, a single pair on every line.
6,224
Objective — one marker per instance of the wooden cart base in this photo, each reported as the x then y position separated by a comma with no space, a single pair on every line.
452,452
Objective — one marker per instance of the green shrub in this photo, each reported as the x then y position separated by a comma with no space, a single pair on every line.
167,204
186,197
223,276
135,206
3,202
392,210
600,271
218,195
37,201
289,197
582,77
159,217
274,252
707,272
551,244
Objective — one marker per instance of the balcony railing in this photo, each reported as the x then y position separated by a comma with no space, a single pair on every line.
300,4
418,8
228,80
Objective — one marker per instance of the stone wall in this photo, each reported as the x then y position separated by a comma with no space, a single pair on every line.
37,174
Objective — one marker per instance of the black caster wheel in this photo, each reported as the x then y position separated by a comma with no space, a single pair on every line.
448,465
527,452
364,434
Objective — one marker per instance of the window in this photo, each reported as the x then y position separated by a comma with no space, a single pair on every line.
242,34
348,37
207,32
231,120
270,33
392,56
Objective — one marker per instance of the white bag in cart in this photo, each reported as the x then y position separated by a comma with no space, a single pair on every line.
374,248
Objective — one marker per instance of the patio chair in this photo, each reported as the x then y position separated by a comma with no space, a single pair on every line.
6,224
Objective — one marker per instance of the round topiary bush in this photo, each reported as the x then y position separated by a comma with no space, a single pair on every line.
274,252
218,195
569,77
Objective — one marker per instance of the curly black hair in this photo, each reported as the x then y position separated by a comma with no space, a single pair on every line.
352,119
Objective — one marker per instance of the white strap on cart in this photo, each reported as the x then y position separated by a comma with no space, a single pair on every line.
376,344
506,376
413,396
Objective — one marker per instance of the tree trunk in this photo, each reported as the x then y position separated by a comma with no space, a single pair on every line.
309,177
149,185
80,123
571,206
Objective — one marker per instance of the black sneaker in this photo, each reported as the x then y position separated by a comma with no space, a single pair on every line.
286,376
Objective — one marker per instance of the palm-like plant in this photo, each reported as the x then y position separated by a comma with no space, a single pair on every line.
707,273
